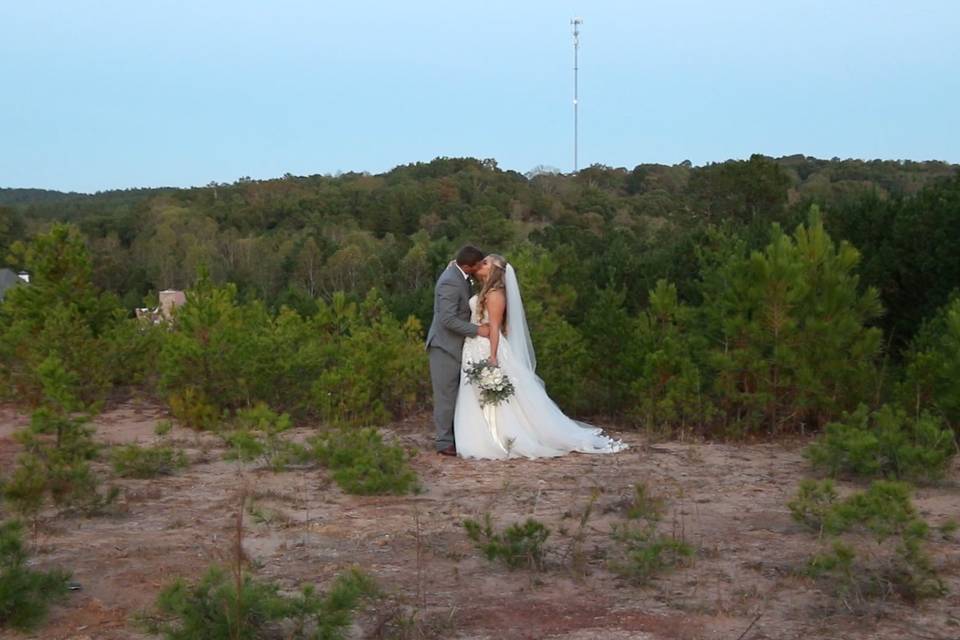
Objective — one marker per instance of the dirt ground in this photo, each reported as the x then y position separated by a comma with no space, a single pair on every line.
729,501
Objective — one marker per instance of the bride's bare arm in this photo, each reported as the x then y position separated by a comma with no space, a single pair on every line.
496,308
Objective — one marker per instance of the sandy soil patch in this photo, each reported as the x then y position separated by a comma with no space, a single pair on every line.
728,499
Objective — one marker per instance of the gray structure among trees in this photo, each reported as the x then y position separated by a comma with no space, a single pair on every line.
8,279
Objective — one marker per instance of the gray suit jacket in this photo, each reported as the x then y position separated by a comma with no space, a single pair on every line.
451,313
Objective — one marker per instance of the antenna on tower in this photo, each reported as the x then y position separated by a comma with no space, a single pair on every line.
576,22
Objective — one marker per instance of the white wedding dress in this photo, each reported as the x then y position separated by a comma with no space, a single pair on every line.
528,424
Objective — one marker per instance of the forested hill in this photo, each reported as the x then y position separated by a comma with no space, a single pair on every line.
35,196
809,176
293,240
64,204
741,296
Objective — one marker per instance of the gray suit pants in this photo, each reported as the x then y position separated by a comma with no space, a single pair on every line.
445,376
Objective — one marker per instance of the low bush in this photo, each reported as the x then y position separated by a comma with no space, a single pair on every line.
814,503
642,550
644,504
363,464
897,564
194,409
25,594
521,545
259,435
163,427
885,443
215,609
58,446
134,461
228,602
25,489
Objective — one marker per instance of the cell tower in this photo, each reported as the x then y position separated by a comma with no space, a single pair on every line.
576,22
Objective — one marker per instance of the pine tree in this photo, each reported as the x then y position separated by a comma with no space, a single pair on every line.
61,312
56,467
795,346
932,379
671,389
25,594
206,361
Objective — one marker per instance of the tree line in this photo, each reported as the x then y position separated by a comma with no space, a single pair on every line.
762,295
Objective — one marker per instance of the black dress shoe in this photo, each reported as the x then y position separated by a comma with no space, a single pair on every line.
449,451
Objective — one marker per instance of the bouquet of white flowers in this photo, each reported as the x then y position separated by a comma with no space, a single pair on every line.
494,385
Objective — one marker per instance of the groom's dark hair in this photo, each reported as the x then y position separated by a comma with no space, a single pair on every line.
469,256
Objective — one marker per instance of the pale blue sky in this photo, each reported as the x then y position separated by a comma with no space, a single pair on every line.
123,93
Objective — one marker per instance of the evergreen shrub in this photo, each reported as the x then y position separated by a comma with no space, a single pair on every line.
218,607
25,594
521,545
363,464
885,443
135,461
642,550
259,434
896,564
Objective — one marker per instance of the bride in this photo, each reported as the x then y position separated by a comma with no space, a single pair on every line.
528,424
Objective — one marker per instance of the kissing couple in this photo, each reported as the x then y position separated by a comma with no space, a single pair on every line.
490,327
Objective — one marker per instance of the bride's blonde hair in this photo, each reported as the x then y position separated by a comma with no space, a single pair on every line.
496,281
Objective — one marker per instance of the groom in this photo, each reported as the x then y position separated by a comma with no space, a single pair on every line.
451,324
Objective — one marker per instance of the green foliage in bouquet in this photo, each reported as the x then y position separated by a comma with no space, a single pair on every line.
519,546
886,443
859,572
259,434
492,384
642,550
25,594
363,464
932,376
135,461
218,607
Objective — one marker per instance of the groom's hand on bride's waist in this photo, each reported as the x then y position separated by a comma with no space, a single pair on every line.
483,331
